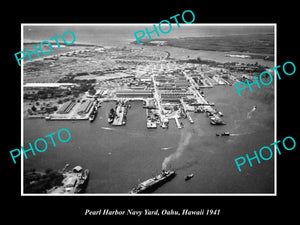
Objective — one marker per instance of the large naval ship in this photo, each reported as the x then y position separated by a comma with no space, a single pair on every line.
153,183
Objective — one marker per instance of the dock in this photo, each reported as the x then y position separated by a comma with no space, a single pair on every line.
69,111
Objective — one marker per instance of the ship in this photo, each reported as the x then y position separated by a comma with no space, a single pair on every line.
216,120
153,183
98,104
93,116
164,125
111,115
190,176
226,133
151,124
190,119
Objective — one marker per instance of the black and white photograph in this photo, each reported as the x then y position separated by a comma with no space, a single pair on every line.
163,114
147,113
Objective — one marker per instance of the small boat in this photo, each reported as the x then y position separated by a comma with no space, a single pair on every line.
190,119
214,120
92,117
164,125
150,124
111,115
226,133
153,183
190,176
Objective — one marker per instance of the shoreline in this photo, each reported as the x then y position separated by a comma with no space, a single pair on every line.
178,53
32,42
175,52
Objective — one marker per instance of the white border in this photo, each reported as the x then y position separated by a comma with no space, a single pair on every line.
22,114
162,194
275,111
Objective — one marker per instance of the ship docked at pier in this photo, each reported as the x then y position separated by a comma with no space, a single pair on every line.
153,183
111,115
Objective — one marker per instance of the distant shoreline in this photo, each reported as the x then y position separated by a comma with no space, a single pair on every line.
56,51
248,44
63,44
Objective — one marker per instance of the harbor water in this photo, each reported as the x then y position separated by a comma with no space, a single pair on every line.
120,157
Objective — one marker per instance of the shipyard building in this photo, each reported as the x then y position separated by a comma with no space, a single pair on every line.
134,93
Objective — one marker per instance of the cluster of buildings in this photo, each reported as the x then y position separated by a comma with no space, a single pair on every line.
132,93
169,89
173,90
46,90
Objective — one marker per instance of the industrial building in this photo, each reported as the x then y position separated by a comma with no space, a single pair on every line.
34,88
134,93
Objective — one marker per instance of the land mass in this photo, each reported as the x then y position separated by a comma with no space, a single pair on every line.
108,71
262,44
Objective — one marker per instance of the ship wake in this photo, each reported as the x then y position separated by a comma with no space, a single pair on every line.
107,128
166,148
183,142
249,114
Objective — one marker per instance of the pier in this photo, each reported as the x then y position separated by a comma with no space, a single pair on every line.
177,122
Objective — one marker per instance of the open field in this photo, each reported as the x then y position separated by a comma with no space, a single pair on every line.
254,43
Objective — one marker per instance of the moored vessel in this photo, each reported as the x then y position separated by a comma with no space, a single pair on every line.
111,115
92,117
153,183
190,176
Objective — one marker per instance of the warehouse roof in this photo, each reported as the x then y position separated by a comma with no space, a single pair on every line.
36,85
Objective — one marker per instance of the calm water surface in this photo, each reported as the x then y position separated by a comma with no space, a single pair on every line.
121,157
